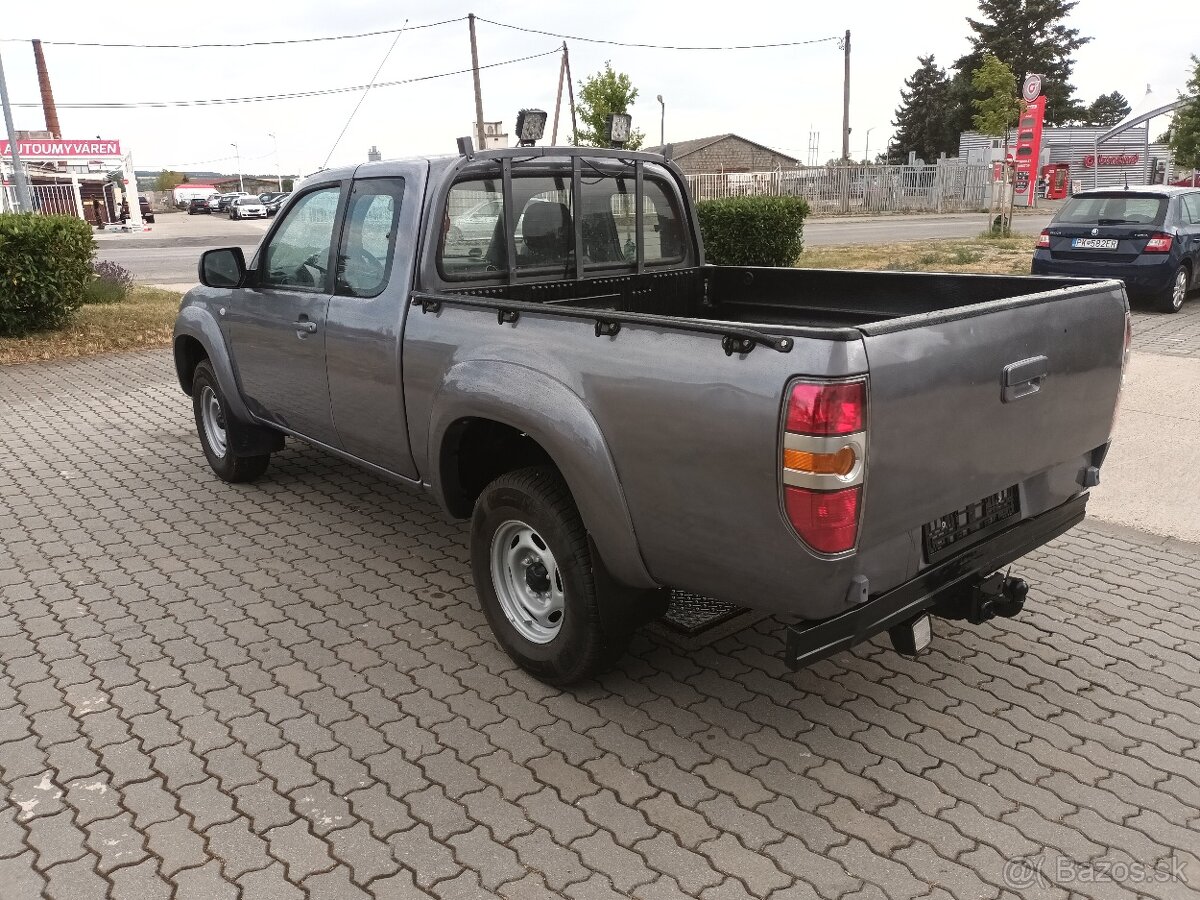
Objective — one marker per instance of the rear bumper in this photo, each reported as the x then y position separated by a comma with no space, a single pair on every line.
811,641
1145,276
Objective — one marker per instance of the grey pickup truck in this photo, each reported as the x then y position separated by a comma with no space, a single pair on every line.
532,336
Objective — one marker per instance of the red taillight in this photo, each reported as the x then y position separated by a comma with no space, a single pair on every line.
824,462
826,409
1044,240
1158,243
826,520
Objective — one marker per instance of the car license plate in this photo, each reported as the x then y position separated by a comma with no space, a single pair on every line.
1094,244
944,532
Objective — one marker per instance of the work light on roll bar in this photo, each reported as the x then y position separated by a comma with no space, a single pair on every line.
531,125
619,127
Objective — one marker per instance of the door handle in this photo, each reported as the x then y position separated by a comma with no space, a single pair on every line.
305,325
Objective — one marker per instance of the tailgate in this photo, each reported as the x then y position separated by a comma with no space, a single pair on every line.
946,430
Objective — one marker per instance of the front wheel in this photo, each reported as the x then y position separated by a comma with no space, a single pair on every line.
218,430
534,574
1171,300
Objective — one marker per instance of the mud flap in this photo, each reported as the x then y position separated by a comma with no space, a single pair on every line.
624,609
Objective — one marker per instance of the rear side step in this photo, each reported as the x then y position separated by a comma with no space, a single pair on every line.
943,588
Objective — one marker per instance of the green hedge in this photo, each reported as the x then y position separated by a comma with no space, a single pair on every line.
753,231
45,266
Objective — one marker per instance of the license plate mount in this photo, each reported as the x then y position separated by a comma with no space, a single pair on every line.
1080,243
949,533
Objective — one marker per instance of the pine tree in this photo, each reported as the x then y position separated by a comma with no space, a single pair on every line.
922,117
1030,37
1107,110
1185,127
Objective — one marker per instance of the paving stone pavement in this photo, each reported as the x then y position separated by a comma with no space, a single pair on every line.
287,690
1175,334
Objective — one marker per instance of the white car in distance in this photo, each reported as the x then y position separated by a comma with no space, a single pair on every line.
247,208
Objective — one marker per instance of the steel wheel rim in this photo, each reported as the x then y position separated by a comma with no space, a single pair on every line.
213,418
1180,290
527,581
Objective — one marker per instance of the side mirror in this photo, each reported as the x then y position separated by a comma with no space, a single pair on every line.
224,268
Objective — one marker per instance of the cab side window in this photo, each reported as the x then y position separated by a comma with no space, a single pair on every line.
297,256
369,237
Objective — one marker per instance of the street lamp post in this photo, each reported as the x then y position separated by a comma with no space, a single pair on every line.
278,171
238,154
867,149
662,123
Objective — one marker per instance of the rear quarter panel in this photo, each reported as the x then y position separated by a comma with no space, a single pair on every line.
691,434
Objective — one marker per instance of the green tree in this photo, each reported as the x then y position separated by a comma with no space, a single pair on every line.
1106,110
1030,37
996,102
997,107
1185,127
168,180
922,119
600,95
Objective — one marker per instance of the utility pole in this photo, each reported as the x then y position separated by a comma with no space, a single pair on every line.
237,151
846,99
24,202
662,124
570,92
562,71
475,74
278,171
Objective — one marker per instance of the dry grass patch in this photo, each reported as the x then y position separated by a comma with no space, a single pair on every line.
144,320
996,256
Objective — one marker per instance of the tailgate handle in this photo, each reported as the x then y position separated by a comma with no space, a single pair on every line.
1024,378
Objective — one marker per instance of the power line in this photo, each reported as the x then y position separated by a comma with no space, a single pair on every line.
574,37
370,85
311,40
163,104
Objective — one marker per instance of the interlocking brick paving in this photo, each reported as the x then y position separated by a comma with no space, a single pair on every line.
288,689
1172,334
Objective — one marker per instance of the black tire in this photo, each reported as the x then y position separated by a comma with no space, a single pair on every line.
539,498
1171,300
229,468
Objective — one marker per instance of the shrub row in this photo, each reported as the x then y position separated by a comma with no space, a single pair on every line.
752,231
45,268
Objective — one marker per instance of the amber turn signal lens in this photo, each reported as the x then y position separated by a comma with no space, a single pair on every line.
840,463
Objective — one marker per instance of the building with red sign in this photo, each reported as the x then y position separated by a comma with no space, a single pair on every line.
1123,157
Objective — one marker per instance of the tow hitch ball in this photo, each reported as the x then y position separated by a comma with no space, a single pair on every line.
997,595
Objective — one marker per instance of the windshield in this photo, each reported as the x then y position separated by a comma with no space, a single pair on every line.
1113,209
247,201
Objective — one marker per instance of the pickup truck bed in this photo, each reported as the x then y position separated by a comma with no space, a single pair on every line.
806,298
687,369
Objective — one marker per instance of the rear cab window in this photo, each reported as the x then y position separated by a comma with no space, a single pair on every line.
475,245
1117,208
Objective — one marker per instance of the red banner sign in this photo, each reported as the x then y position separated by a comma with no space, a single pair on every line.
1029,145
52,148
1116,159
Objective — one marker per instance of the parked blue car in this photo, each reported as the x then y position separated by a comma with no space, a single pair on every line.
1148,236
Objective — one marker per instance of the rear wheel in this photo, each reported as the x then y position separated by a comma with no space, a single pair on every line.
1171,300
534,574
218,430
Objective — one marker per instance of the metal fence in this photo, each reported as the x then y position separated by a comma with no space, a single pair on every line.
849,190
48,199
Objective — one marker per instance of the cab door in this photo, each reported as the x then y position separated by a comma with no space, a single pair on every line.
276,323
365,333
